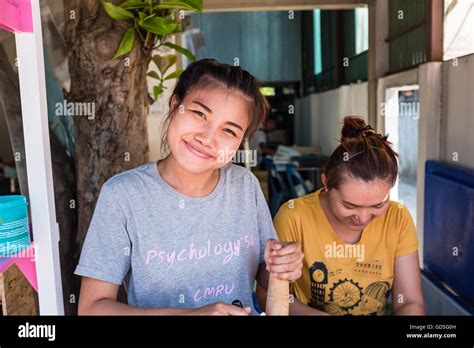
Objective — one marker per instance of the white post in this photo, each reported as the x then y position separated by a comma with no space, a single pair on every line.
31,71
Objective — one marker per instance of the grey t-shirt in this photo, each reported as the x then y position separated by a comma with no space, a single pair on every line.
175,250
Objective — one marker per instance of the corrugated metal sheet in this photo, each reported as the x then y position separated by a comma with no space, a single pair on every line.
267,43
407,34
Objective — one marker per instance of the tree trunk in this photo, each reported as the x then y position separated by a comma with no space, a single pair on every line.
116,138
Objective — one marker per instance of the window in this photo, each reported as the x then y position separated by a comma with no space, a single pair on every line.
361,24
318,66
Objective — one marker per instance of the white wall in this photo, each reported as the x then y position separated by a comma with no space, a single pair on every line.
328,110
458,39
457,112
158,112
156,117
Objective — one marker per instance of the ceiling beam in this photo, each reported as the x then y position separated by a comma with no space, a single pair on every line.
279,5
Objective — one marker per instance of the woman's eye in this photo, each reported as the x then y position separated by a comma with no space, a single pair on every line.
199,113
348,207
230,131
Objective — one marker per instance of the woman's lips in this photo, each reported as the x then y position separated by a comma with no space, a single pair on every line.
196,151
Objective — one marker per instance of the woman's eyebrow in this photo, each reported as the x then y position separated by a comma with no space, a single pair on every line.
204,106
358,206
348,203
235,125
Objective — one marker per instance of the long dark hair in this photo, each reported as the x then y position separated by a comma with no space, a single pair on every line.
362,154
211,73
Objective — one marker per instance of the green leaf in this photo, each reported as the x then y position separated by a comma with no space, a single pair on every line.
132,4
174,74
177,30
181,50
154,75
126,44
174,5
164,62
150,16
159,25
172,58
196,4
157,90
158,61
116,12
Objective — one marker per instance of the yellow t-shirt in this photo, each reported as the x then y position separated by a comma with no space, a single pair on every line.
341,278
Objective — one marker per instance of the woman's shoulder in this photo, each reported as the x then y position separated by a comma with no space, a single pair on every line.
296,206
128,179
397,212
236,174
297,209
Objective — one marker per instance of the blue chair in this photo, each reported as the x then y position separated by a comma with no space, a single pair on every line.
448,278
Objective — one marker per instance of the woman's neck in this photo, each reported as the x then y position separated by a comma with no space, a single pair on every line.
347,235
187,183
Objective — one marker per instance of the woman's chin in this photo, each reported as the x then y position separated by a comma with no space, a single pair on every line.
196,165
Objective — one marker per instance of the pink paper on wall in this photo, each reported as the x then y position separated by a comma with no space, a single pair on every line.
28,268
16,16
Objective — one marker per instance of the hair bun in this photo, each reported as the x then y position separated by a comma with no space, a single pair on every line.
353,127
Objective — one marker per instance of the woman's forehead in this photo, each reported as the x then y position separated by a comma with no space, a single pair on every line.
211,93
361,192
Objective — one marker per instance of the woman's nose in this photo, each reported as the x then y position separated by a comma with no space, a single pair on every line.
364,217
206,136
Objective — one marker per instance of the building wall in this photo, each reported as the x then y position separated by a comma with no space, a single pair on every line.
304,108
458,37
327,111
457,112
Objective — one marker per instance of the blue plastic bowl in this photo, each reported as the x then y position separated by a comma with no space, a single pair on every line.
14,226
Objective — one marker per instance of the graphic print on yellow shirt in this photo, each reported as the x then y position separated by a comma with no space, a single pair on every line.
340,278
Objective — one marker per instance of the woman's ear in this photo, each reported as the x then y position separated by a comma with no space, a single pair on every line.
323,180
174,103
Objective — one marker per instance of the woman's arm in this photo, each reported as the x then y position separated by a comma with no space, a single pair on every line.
407,297
100,298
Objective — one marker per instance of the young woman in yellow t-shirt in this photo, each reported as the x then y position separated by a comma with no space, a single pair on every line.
359,246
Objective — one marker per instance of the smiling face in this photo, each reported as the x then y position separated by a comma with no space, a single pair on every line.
356,203
207,128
